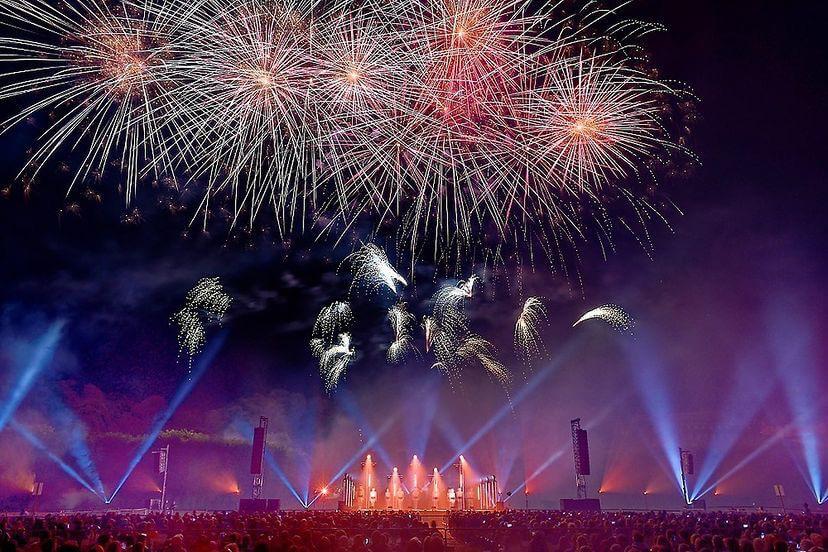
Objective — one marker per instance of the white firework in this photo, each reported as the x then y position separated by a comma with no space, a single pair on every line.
209,297
613,315
528,340
332,321
402,323
372,270
476,349
467,286
207,302
191,332
450,305
335,361
99,71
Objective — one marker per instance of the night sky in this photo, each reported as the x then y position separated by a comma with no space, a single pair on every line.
731,308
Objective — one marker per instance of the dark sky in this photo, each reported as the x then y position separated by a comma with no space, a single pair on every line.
752,238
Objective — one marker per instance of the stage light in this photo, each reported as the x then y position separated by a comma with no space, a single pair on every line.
792,343
349,404
372,440
518,397
648,375
44,351
40,445
205,359
324,490
748,394
766,444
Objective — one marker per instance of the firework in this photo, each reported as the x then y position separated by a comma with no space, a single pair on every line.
401,323
450,303
613,315
527,328
476,349
429,330
372,270
469,125
99,73
332,321
240,70
335,360
206,302
317,347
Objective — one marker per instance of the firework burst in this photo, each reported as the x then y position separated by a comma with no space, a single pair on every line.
402,323
613,315
372,270
99,73
467,125
528,341
207,302
335,360
333,320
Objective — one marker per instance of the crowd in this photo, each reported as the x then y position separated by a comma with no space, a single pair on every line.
531,531
554,531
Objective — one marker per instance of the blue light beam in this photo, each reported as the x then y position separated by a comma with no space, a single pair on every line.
44,352
204,362
41,446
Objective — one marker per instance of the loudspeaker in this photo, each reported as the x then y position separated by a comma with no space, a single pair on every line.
258,451
273,505
583,452
580,505
252,505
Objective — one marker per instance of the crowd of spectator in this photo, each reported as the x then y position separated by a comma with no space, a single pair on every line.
531,531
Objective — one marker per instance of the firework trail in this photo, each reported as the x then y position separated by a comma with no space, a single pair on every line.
372,270
476,349
613,315
430,329
207,302
528,340
332,321
335,360
402,323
